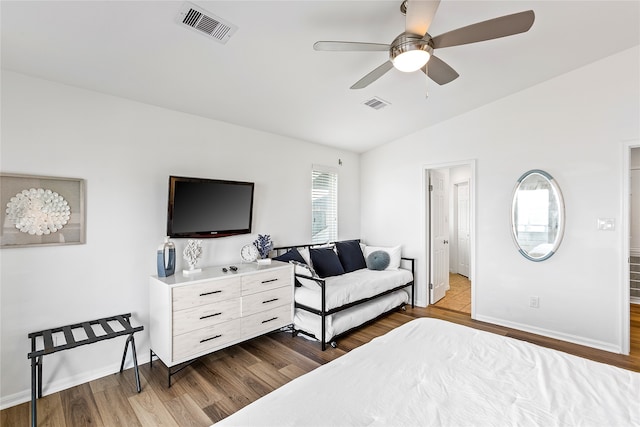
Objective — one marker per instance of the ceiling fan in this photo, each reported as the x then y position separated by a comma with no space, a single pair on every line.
413,49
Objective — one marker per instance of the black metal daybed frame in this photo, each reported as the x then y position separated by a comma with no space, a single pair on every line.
323,312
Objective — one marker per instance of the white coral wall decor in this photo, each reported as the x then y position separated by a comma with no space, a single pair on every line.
192,252
38,211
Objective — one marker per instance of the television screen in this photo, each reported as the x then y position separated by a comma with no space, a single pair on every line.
203,208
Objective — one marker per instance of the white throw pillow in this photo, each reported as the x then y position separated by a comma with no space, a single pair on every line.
304,252
305,270
395,253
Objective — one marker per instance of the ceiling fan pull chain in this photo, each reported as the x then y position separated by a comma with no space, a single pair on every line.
426,86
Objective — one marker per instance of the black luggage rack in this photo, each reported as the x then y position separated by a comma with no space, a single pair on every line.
71,342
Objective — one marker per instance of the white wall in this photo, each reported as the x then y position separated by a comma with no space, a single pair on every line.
126,151
573,127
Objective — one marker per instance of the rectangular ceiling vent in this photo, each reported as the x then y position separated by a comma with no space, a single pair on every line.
205,23
376,103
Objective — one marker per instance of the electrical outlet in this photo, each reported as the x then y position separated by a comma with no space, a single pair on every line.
534,302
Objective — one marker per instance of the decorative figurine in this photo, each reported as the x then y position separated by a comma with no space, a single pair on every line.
192,253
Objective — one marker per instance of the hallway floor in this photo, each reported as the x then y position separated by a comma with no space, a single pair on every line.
458,297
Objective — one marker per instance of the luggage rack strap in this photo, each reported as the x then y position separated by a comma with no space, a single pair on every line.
71,342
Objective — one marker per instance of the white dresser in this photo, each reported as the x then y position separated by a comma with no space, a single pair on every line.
191,316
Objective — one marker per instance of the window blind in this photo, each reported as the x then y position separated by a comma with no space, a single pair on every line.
324,204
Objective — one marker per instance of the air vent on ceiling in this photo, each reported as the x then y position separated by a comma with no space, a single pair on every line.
376,103
205,23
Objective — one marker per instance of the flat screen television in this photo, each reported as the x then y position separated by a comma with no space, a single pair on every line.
201,208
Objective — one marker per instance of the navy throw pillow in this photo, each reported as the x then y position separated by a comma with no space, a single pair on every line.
291,255
350,255
325,262
378,260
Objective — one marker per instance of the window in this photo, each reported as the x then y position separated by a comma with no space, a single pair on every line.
324,204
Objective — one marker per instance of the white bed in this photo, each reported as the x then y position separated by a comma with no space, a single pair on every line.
344,289
345,320
436,373
354,286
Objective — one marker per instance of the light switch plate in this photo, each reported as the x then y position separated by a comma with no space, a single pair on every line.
606,224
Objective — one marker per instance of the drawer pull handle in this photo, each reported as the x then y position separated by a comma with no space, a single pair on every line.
210,315
269,320
270,280
270,300
209,339
210,293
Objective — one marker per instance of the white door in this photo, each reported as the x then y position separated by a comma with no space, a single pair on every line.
438,236
634,243
463,228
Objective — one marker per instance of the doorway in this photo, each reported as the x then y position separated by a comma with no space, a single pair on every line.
458,297
460,228
634,225
630,247
449,224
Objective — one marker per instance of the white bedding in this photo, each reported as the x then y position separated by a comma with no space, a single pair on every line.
342,321
436,373
359,284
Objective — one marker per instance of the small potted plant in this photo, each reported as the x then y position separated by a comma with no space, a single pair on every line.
264,245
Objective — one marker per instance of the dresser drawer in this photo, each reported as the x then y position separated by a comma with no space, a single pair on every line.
266,280
266,300
205,339
190,319
266,321
206,293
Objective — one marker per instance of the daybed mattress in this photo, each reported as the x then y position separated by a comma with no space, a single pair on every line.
342,321
436,373
350,287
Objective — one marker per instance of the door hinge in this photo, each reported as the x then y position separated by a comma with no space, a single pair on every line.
430,187
430,285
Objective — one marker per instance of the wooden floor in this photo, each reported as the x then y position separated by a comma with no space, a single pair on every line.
458,297
220,384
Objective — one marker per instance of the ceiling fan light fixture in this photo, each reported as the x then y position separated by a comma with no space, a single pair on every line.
412,60
409,52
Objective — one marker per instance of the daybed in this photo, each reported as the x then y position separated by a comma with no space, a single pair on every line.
344,285
431,372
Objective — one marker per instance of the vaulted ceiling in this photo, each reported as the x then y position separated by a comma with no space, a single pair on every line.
267,76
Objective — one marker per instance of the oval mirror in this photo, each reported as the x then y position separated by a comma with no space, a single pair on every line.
537,215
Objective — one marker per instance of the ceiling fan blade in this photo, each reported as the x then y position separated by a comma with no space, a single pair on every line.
487,30
350,46
373,76
420,13
439,71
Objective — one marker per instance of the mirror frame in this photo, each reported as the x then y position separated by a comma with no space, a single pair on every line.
561,214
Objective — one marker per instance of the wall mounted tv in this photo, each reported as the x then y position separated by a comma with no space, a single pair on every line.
201,208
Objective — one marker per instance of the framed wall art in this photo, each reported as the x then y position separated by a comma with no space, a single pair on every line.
41,211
